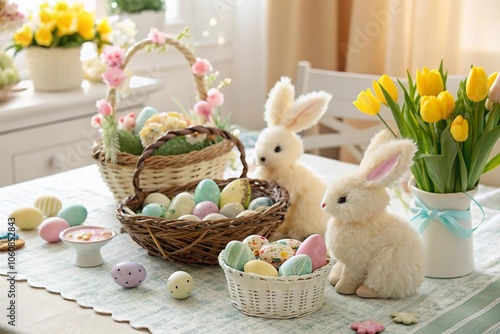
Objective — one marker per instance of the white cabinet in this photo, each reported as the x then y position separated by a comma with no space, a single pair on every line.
46,133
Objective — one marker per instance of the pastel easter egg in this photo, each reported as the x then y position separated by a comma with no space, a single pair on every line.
180,285
260,202
143,116
207,190
255,242
27,218
50,229
261,268
128,274
204,208
214,216
275,254
237,254
246,213
293,243
157,198
296,265
49,205
154,210
238,191
190,217
314,246
182,204
73,214
231,210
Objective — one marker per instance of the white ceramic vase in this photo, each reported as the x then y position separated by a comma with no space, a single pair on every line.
447,255
54,69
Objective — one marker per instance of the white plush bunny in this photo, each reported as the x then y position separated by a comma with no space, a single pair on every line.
379,255
278,150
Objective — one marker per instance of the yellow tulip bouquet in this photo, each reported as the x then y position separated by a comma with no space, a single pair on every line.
62,26
454,136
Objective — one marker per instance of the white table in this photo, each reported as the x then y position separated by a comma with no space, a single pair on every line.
209,309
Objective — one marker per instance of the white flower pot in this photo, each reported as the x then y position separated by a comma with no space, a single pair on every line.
447,255
54,69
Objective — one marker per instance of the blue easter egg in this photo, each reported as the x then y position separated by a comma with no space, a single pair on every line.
237,254
73,214
143,116
207,190
154,210
296,265
260,201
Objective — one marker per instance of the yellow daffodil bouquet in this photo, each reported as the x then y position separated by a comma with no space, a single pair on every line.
454,136
61,26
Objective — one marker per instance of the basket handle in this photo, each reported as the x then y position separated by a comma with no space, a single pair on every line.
186,52
148,151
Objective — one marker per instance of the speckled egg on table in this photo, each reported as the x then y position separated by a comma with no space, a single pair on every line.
237,254
27,218
204,208
293,243
180,285
182,204
128,274
48,204
314,246
51,227
255,242
236,191
296,265
207,190
260,202
73,214
275,254
231,210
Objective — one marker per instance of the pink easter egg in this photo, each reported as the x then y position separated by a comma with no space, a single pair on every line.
314,246
51,227
204,208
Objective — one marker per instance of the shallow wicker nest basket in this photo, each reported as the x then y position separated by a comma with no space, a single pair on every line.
161,171
276,297
198,241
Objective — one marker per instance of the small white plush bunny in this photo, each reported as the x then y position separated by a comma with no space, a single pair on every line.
278,150
379,255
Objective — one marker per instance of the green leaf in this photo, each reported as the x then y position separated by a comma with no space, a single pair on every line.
449,150
129,142
179,145
480,155
463,174
492,164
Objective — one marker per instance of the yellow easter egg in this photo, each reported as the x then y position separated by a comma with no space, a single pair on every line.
27,218
261,268
49,205
237,191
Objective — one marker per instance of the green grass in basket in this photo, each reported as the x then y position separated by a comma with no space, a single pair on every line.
131,144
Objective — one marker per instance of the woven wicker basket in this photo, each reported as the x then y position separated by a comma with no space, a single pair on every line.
192,241
276,297
162,171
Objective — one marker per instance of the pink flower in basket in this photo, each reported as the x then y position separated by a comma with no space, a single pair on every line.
158,37
203,108
114,77
96,121
201,66
215,98
113,56
104,107
127,122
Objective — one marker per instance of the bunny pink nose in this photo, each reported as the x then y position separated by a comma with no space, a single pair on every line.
323,205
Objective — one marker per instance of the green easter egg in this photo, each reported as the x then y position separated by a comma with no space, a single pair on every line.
207,190
143,116
73,214
237,254
154,210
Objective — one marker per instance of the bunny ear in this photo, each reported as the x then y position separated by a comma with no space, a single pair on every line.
383,136
279,101
306,111
388,161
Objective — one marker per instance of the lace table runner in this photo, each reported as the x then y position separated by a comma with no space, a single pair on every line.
209,309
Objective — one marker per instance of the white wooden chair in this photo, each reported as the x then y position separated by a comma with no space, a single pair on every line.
345,87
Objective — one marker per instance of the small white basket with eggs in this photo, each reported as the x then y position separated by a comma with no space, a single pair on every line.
273,286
